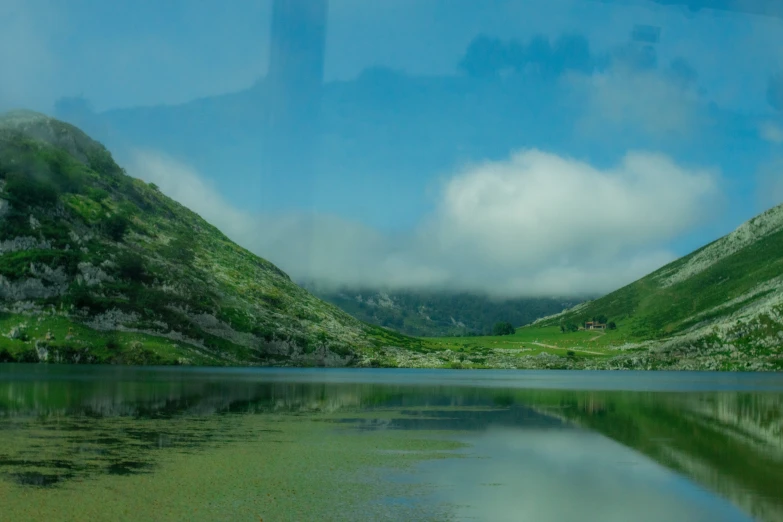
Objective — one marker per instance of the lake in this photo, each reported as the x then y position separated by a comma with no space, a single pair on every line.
141,443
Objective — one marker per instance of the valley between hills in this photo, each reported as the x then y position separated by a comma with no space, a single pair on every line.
98,267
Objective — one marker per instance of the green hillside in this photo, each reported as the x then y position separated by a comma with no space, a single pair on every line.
96,266
709,284
726,296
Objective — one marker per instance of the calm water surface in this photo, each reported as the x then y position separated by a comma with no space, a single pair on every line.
120,443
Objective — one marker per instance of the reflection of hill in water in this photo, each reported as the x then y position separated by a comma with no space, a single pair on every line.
461,419
166,400
732,443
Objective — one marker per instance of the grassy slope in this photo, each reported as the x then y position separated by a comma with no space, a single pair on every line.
163,268
646,310
534,341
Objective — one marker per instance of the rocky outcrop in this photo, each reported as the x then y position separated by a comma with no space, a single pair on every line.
31,288
113,319
23,243
92,275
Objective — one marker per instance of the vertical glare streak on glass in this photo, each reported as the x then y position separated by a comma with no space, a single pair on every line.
294,86
296,61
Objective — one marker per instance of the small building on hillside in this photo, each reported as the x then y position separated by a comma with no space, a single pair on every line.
590,325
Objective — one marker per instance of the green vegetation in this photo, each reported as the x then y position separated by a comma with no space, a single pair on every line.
115,226
568,326
534,340
58,339
503,328
98,251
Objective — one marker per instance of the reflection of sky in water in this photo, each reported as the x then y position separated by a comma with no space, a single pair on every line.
566,475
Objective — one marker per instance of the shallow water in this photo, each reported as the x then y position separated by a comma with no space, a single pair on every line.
126,443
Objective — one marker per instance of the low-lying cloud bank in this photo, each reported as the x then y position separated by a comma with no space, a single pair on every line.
535,224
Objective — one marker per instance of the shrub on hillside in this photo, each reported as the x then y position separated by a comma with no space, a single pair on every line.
79,296
503,328
131,266
180,250
115,226
15,224
97,194
112,343
29,355
24,190
101,161
569,327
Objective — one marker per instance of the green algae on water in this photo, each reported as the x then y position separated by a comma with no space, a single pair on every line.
247,467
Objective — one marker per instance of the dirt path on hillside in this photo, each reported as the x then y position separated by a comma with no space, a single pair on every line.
566,348
597,336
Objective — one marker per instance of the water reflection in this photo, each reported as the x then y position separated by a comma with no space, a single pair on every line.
547,454
549,476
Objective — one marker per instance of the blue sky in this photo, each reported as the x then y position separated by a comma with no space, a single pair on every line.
411,142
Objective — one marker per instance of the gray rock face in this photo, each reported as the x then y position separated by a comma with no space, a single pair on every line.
92,275
113,319
31,288
17,332
56,276
42,351
22,243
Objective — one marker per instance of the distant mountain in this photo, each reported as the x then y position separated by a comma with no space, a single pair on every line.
96,266
724,301
438,314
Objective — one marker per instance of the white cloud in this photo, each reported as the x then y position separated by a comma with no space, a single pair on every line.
771,132
536,224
